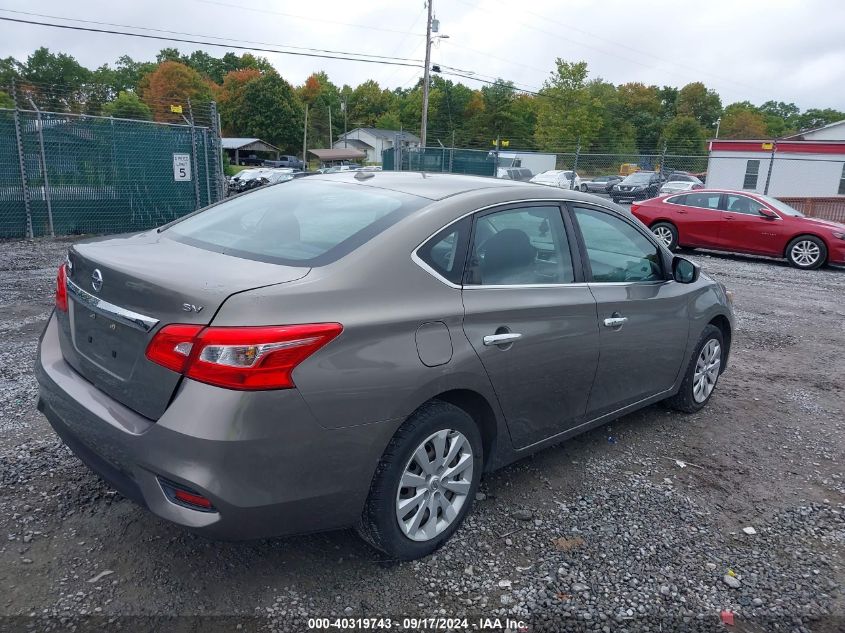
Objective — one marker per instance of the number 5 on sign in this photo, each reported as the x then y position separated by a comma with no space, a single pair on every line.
181,167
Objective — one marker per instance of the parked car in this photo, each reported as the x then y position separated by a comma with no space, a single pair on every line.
514,173
600,184
674,186
637,186
563,178
683,176
334,169
346,351
743,222
286,161
252,159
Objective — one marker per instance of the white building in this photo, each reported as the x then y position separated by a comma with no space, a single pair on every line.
805,167
373,141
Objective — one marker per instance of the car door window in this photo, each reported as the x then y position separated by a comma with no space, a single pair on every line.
742,204
617,251
522,246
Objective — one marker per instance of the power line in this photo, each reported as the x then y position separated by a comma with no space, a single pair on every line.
344,56
214,37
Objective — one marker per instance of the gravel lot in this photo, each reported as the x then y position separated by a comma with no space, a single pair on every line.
631,527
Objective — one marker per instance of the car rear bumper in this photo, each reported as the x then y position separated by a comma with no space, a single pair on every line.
262,459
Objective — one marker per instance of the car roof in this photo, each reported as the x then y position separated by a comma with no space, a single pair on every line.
433,186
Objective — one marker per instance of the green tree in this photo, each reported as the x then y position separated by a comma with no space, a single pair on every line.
127,73
6,101
9,69
55,80
367,103
128,106
565,109
684,135
815,117
388,121
270,110
743,122
642,109
696,101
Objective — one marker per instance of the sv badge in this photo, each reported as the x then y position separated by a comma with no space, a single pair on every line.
190,307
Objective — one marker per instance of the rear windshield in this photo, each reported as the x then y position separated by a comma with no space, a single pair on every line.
298,223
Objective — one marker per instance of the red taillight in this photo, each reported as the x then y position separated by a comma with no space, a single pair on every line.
192,498
239,357
172,346
61,288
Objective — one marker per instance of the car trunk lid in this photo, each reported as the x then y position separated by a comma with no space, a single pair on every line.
122,290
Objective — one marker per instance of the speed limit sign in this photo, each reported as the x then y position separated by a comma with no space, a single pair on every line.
181,167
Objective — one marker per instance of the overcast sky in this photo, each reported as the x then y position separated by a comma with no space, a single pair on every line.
786,50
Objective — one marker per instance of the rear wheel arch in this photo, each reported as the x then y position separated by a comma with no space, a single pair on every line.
480,410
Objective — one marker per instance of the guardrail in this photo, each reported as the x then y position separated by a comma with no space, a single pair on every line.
823,208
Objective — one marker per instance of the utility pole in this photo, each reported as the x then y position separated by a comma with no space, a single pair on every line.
426,76
331,134
344,109
305,136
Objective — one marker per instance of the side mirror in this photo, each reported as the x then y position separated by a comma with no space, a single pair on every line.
768,213
684,271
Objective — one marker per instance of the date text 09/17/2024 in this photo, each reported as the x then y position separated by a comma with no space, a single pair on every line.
419,624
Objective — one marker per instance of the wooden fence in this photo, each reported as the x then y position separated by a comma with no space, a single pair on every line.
822,208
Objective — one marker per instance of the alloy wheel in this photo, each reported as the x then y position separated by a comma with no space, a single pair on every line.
435,484
805,253
706,370
664,234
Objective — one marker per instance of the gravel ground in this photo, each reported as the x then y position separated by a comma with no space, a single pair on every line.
641,525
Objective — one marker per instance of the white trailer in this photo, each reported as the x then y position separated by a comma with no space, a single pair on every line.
536,162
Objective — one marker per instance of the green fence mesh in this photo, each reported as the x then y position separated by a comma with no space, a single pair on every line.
441,159
103,175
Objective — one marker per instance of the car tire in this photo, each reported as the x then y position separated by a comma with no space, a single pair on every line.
701,374
380,519
584,188
806,252
667,233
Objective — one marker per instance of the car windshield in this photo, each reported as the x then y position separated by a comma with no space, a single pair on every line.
638,178
301,223
782,206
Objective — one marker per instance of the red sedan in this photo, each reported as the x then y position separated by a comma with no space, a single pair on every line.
743,222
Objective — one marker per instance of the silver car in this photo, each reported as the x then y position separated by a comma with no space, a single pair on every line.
357,349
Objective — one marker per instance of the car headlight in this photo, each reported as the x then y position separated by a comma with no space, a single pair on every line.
839,235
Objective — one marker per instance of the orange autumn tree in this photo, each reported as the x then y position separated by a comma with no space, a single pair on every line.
173,83
231,96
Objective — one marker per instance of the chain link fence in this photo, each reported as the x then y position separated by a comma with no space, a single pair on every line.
65,174
492,162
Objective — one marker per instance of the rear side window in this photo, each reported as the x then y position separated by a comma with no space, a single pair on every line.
298,223
445,253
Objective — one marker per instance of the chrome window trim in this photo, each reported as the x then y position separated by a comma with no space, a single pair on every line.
419,261
122,315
